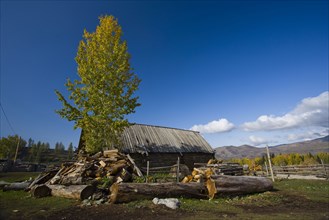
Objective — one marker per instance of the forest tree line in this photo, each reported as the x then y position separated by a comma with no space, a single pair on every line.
34,151
285,159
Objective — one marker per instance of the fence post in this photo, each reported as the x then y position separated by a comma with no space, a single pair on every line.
177,173
147,170
266,168
17,150
325,170
269,162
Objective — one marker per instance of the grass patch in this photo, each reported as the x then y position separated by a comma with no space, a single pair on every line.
315,190
19,204
17,176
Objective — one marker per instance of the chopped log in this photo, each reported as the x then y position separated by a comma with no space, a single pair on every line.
114,169
97,155
73,191
72,180
124,176
126,192
57,177
102,163
111,153
239,185
39,191
43,177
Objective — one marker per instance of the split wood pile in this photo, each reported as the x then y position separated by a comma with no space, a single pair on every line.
79,179
110,164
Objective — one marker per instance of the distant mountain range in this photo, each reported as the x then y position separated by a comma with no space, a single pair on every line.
312,146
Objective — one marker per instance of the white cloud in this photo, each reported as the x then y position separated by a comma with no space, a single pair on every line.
313,111
310,135
258,140
221,125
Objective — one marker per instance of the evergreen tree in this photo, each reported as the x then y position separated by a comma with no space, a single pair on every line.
59,148
38,153
70,151
30,142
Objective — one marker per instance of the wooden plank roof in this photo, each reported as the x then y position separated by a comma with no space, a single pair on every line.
152,139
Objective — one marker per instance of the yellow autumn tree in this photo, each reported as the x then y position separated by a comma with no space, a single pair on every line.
100,100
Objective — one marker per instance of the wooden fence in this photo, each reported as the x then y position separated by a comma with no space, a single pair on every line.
318,170
174,171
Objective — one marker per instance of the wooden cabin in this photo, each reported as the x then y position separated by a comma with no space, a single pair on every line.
162,146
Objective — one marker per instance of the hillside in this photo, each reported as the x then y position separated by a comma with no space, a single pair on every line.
312,146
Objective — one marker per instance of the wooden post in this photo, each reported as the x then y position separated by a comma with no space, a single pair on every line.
269,162
147,170
266,168
177,173
19,140
325,170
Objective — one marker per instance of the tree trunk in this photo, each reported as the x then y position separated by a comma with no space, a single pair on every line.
17,186
126,192
3,184
39,191
73,191
225,185
239,185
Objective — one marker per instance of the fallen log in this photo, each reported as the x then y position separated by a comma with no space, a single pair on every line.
239,185
3,184
17,186
39,191
73,191
225,185
126,192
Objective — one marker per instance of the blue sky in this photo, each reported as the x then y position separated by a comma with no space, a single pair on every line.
240,72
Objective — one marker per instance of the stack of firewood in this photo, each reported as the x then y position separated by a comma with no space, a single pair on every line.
110,164
79,179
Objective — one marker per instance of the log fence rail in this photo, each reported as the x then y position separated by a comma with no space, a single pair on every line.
318,170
